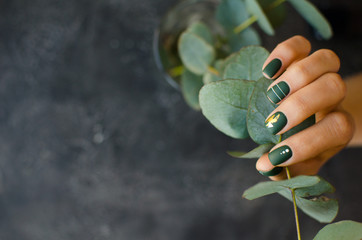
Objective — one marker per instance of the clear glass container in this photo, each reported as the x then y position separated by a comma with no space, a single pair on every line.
176,20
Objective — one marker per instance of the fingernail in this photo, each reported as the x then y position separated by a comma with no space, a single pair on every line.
273,67
273,172
280,155
278,92
276,122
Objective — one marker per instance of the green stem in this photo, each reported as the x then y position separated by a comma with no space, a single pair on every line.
274,4
295,207
248,22
176,71
245,24
213,71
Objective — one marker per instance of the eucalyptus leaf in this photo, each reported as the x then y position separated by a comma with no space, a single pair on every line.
231,13
256,10
231,58
255,153
201,30
276,15
270,187
225,103
212,77
247,64
320,208
343,230
259,109
245,38
190,86
314,17
320,188
196,54
312,201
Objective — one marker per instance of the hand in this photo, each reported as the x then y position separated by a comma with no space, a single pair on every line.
305,85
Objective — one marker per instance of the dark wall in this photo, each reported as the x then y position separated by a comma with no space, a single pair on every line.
94,144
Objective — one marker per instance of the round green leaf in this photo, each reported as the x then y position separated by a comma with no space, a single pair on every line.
255,9
247,64
255,153
226,62
201,30
320,208
259,109
225,103
190,87
231,13
312,202
320,188
196,54
270,187
314,17
343,230
316,206
245,38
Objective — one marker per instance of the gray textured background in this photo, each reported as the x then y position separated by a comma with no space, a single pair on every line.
94,144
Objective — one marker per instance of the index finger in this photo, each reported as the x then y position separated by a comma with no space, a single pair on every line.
285,54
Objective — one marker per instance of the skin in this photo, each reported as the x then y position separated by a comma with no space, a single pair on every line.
315,88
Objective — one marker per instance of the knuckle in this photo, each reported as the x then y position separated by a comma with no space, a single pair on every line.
302,41
342,126
301,71
288,50
301,105
336,85
330,56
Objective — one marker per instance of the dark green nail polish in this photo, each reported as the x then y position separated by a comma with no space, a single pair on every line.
280,155
273,67
278,92
273,172
276,122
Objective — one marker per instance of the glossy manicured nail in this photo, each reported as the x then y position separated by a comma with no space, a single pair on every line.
280,155
276,122
273,67
273,172
278,92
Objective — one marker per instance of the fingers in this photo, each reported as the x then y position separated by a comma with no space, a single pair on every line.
302,73
332,132
307,85
329,90
285,54
307,167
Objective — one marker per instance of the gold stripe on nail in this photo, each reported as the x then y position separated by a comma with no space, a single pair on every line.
276,93
282,91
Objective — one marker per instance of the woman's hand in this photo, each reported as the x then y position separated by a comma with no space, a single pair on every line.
305,85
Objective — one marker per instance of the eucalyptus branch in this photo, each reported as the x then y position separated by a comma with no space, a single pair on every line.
295,207
213,71
274,5
176,71
248,22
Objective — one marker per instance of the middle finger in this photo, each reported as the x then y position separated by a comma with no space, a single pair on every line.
327,91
